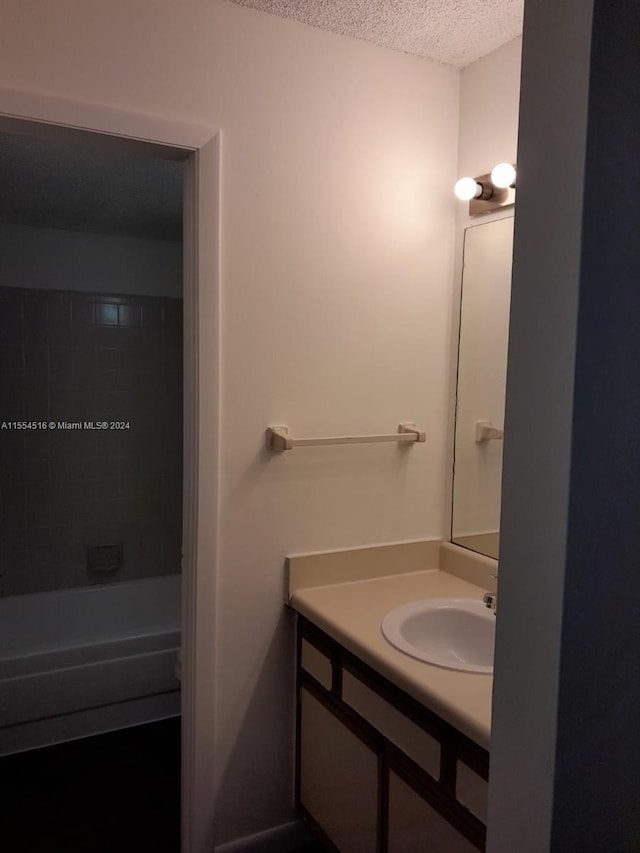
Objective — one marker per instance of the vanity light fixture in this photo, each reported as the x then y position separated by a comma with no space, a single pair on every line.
503,176
488,192
468,188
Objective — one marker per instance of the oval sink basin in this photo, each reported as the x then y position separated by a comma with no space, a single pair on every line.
456,633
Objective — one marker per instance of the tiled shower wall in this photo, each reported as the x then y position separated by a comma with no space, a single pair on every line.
75,358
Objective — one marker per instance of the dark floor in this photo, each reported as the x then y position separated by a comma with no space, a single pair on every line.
312,847
113,793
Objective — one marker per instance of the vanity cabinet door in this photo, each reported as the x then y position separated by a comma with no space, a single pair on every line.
416,827
338,778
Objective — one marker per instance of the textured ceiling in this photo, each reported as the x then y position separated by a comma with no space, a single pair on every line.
452,32
55,184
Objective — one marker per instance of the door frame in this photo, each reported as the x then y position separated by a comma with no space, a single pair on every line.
199,149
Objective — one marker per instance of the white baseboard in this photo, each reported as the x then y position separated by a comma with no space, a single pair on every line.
279,839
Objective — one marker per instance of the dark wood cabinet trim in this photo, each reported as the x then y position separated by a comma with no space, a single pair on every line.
312,634
438,797
327,647
448,762
454,746
336,681
471,753
383,800
363,730
298,712
465,749
401,701
317,830
474,756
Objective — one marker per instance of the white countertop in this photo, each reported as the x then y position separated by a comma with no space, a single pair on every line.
351,613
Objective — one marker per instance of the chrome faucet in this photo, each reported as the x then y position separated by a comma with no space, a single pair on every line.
490,599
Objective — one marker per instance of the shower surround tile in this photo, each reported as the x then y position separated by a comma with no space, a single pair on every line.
75,357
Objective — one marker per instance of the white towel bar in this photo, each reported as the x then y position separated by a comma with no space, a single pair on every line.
278,438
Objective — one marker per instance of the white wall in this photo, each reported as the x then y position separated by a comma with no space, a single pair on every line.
337,250
489,98
52,259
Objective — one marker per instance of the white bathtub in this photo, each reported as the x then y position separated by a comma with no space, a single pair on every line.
82,661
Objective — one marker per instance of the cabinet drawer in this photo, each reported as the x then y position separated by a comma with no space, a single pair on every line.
400,730
316,663
472,791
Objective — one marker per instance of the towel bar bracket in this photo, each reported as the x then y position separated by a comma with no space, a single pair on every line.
486,431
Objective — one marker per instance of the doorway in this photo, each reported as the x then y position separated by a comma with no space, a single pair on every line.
197,150
90,471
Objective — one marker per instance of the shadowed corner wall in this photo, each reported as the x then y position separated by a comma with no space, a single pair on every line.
565,762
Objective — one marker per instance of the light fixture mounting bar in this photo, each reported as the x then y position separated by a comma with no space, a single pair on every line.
499,198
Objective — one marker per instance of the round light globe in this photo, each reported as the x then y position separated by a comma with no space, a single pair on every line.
466,189
503,175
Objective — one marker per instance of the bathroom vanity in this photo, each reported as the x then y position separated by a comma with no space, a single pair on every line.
391,752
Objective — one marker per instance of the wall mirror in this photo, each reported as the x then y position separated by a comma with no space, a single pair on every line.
482,373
